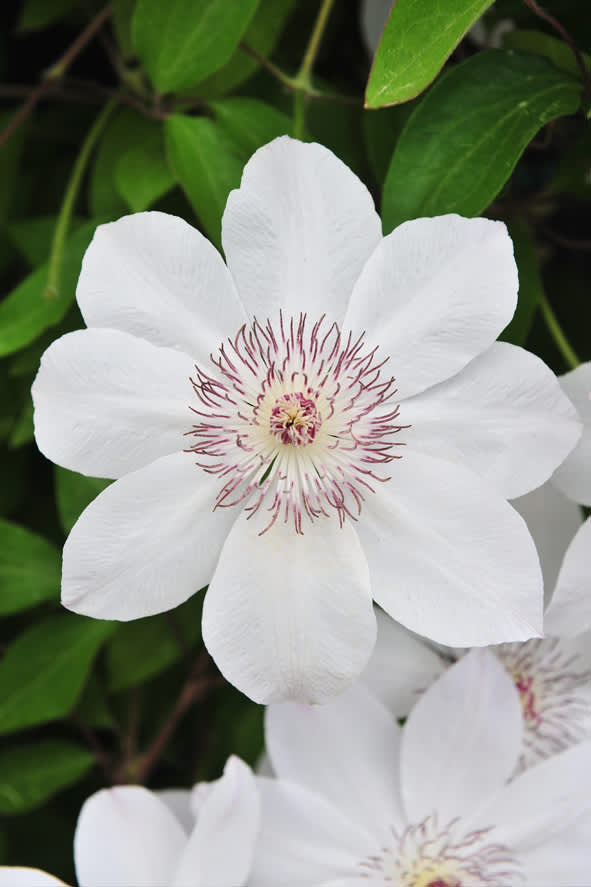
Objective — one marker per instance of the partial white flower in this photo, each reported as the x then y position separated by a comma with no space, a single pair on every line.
552,674
359,801
573,477
325,419
129,837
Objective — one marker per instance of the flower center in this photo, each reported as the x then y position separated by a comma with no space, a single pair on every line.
553,688
296,420
426,856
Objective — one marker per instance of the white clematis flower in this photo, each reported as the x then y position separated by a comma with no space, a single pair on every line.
130,837
573,477
327,412
359,801
552,674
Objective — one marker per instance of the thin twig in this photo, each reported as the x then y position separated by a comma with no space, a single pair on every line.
567,38
54,73
102,757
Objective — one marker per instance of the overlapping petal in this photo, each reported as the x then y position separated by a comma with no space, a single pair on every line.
449,558
220,849
504,417
155,276
434,295
146,543
17,876
290,616
107,403
462,740
305,840
569,611
553,520
573,477
401,667
126,836
360,739
298,231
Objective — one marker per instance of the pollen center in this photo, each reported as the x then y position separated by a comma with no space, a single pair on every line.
295,419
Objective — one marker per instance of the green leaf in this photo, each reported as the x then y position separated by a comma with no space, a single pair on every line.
381,130
126,130
462,143
141,649
30,569
28,311
530,285
22,430
73,493
44,670
261,36
32,773
415,45
122,17
92,708
207,166
37,14
250,123
556,51
142,174
181,42
33,237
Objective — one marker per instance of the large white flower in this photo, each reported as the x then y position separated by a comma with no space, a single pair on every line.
327,412
552,674
130,837
573,477
358,801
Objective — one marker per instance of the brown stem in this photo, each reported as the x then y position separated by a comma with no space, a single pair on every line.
102,757
567,38
54,73
195,689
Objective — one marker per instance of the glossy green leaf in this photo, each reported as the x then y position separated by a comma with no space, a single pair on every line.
28,311
37,14
530,285
43,671
142,174
206,164
555,50
126,130
32,773
30,569
415,45
141,649
181,42
261,36
250,123
462,143
73,493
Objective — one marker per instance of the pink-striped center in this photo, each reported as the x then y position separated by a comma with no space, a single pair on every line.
296,420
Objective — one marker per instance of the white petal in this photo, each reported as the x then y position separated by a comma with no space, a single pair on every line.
146,544
569,612
553,520
153,275
434,295
178,801
574,476
564,860
346,750
298,231
220,849
544,801
462,739
16,876
504,416
289,616
125,837
449,558
305,839
401,667
107,403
